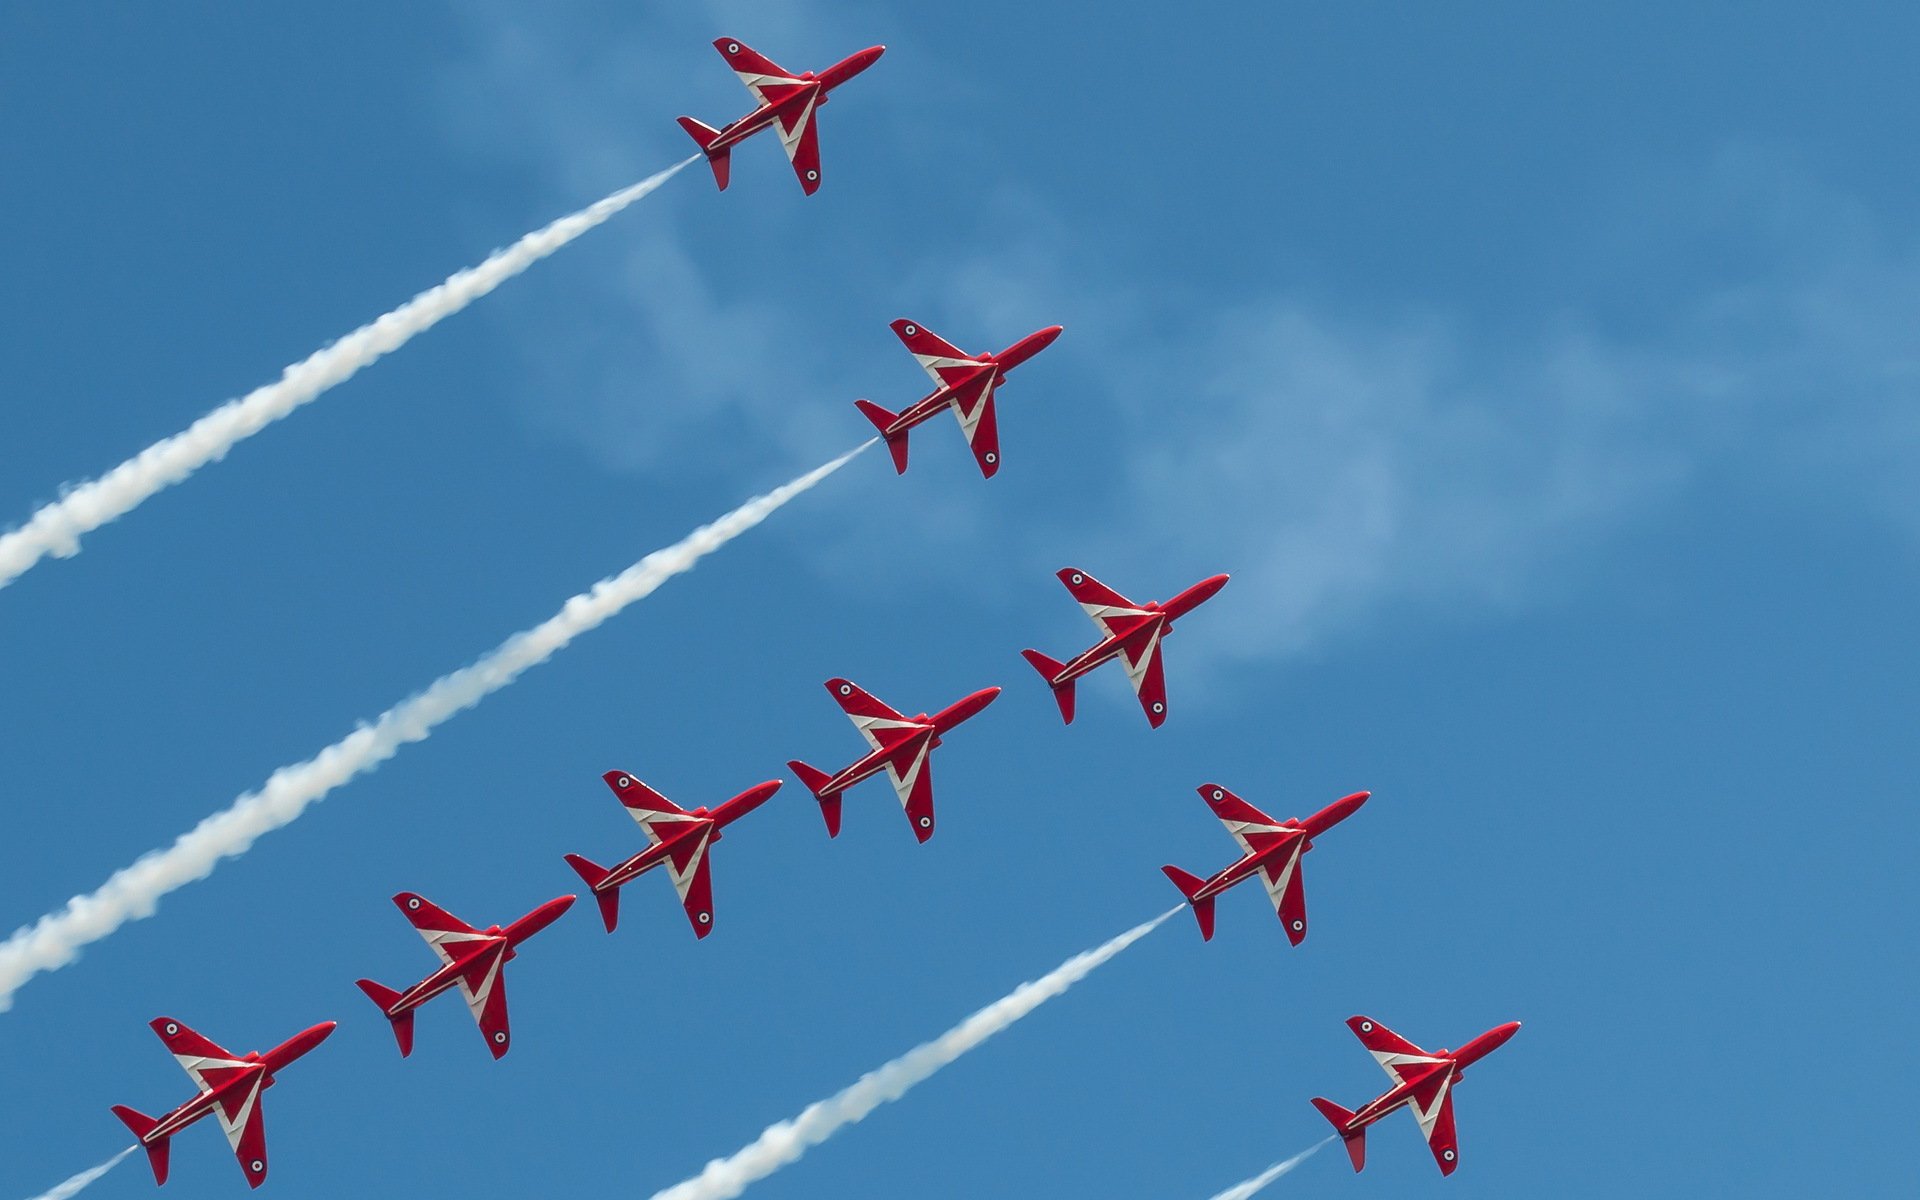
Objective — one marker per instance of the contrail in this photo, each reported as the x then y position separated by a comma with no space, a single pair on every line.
82,508
133,892
1240,1191
78,1184
785,1141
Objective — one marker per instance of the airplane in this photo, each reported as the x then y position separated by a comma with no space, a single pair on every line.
1422,1082
1130,632
472,960
1270,849
901,746
787,102
230,1087
680,840
962,382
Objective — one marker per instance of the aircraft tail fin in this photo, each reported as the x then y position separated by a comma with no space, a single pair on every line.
1355,1140
883,420
816,781
402,1022
594,874
1050,671
704,136
141,1124
1202,909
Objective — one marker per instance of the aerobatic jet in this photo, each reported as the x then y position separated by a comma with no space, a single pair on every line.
679,839
230,1086
787,104
1422,1081
962,382
1129,632
901,746
1270,849
471,959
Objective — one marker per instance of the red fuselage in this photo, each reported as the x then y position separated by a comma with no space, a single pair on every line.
1158,625
1299,841
977,385
705,823
928,730
1423,1077
815,92
254,1069
494,941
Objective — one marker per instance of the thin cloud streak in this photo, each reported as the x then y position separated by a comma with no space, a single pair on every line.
784,1142
134,892
57,528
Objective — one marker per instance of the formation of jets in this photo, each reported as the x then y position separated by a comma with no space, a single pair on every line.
900,747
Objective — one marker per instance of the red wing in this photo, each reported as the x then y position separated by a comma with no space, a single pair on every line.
977,421
767,80
1393,1052
484,986
241,1120
206,1063
1289,895
688,867
1144,671
879,724
1112,612
447,934
800,135
658,817
1250,827
944,363
1433,1107
911,774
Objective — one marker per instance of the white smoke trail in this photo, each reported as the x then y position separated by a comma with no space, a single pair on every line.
78,1184
785,1141
1240,1191
56,528
133,892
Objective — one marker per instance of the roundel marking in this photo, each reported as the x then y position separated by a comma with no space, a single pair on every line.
1218,794
1366,1027
812,175
1448,1155
1299,925
413,902
846,689
258,1166
1159,707
706,918
623,781
992,457
911,330
499,1037
1079,578
172,1028
926,822
733,47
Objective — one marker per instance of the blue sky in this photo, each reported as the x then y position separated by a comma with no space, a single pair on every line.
1544,379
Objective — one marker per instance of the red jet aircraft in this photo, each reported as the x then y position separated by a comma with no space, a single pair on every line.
1270,849
471,960
680,840
787,104
230,1087
900,748
1130,632
963,382
1422,1081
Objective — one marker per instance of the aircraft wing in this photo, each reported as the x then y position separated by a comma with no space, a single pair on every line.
912,777
1394,1053
766,80
1432,1106
687,867
205,1062
1251,828
977,421
1289,895
658,817
1113,613
944,363
246,1131
800,137
877,723
446,934
1141,657
484,988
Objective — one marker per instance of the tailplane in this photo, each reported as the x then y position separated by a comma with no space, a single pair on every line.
704,135
1050,671
1202,909
594,874
387,998
141,1124
816,781
1355,1139
883,421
